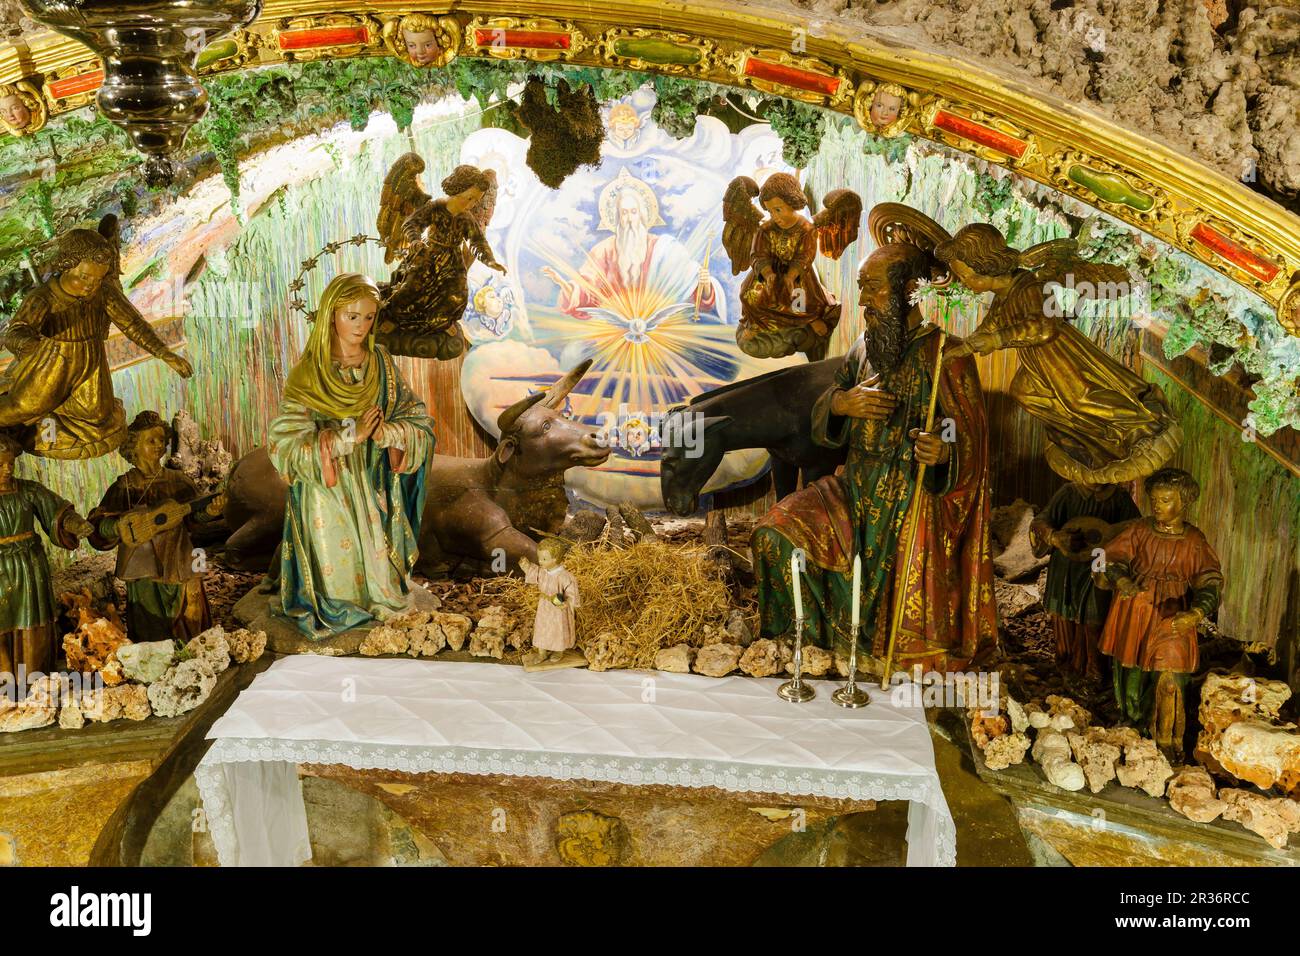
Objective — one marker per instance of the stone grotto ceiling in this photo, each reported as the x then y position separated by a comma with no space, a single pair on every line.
1219,79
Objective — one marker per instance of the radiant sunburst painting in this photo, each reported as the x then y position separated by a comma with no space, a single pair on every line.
622,265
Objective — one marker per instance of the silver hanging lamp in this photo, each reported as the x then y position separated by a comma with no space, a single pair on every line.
148,48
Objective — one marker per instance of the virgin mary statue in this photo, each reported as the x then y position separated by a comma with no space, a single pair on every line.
353,442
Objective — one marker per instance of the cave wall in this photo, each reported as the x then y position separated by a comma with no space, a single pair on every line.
1217,79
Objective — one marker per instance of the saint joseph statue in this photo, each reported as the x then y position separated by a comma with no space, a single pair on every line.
877,407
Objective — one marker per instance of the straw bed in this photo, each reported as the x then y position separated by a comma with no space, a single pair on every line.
651,594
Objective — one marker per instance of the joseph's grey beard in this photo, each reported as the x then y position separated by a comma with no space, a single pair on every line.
884,334
630,244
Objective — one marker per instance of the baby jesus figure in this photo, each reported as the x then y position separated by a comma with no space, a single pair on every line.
554,631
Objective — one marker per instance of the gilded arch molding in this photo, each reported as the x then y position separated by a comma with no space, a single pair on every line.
1179,200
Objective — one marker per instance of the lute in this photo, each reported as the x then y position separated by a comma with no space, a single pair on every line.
140,527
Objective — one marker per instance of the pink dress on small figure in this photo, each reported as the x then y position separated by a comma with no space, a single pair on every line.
554,628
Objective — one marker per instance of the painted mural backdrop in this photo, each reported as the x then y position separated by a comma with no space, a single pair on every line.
623,265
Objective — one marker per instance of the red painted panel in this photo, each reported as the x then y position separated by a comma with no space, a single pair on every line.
980,134
522,39
791,76
72,85
316,37
1234,252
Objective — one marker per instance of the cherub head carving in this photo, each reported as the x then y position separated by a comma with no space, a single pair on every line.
22,110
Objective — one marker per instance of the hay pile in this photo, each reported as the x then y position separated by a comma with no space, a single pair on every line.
651,595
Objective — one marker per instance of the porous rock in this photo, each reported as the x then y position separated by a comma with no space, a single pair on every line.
817,661
146,662
985,729
494,632
211,646
1098,751
130,701
39,708
717,660
384,639
1005,751
182,688
676,659
71,716
1273,818
92,647
246,646
761,659
1144,767
607,651
1242,735
1191,792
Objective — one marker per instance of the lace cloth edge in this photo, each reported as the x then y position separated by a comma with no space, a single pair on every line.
731,776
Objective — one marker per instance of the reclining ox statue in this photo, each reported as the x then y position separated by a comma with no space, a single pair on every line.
490,509
476,509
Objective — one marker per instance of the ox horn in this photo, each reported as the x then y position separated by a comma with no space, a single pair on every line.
507,419
557,393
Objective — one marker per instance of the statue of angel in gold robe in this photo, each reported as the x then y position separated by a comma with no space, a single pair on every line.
1105,423
783,306
436,240
56,397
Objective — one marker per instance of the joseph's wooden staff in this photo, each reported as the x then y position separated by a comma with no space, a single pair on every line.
909,527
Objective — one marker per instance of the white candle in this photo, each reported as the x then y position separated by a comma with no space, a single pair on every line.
798,591
857,593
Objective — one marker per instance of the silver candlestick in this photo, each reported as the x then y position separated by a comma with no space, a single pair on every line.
851,695
795,690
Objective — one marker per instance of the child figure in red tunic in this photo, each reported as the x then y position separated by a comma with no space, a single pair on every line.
1166,579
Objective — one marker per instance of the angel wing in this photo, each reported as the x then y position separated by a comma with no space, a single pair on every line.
837,223
402,196
482,211
1057,260
740,222
111,229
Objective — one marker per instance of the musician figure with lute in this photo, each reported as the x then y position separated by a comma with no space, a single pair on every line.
147,514
1074,528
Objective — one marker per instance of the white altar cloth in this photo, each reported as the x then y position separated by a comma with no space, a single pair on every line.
625,726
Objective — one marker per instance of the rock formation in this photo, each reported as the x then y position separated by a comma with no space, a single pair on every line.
676,659
93,645
1052,753
182,688
761,659
1242,736
1273,818
211,647
1144,767
607,651
39,708
717,660
1191,792
246,646
384,639
146,662
1098,751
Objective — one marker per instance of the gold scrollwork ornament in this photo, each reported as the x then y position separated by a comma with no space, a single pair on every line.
1288,308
